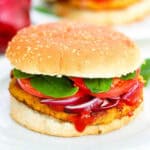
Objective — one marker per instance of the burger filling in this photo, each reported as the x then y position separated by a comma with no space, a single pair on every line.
97,4
82,101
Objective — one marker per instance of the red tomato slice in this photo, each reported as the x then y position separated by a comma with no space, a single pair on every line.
26,86
80,83
119,87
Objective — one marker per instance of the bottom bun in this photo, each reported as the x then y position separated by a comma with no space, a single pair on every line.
45,124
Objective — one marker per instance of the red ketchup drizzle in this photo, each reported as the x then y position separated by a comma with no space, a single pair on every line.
130,114
82,120
131,98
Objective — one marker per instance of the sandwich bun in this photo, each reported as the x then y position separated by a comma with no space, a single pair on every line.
73,49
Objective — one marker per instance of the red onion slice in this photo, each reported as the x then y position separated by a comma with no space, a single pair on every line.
130,92
107,104
65,102
88,106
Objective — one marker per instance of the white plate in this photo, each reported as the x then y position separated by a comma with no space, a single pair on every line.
136,135
137,31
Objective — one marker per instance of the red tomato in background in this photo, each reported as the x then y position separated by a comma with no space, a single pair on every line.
6,33
14,15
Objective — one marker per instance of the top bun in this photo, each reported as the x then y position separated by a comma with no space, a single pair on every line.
73,49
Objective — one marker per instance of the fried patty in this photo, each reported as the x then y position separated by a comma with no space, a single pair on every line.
103,117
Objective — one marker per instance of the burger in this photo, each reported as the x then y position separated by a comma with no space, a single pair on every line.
106,12
72,79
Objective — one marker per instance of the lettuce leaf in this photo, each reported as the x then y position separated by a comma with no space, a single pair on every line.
145,70
54,86
129,76
19,74
98,85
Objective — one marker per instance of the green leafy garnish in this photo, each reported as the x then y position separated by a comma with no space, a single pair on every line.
50,86
43,9
54,86
98,85
19,74
129,76
145,71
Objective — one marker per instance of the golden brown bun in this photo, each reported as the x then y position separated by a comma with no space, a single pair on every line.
73,49
38,122
130,14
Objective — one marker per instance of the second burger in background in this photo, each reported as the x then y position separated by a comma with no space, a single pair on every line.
104,12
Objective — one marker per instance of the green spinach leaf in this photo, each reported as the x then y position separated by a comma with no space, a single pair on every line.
54,86
19,74
145,70
98,85
129,76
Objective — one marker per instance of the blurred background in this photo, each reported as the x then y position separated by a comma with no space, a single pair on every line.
131,17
